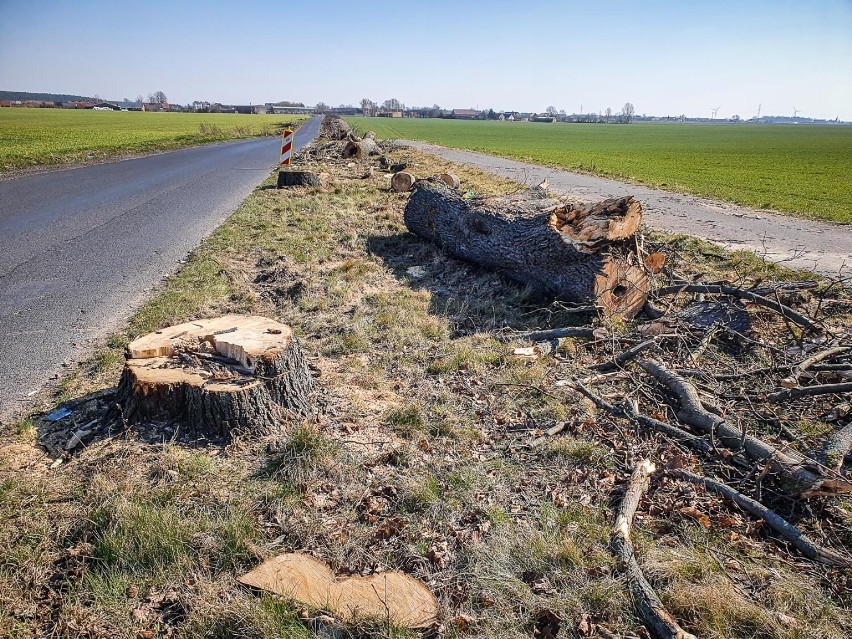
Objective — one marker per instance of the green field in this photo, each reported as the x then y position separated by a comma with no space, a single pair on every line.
30,137
804,170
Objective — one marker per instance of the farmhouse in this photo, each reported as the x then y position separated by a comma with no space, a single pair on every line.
155,106
465,114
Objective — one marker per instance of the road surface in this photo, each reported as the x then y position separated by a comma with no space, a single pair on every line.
818,246
81,248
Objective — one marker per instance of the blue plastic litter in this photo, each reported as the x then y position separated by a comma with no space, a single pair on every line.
59,413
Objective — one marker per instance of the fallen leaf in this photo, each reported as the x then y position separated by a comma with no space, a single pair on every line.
655,262
697,515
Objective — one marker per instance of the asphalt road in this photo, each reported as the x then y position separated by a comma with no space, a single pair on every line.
809,244
81,248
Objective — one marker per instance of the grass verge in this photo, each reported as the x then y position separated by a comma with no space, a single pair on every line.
419,457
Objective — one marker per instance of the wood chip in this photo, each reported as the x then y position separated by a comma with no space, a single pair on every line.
405,600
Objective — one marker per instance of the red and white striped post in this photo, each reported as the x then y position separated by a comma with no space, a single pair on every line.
286,147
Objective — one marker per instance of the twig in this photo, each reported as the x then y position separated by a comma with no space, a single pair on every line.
631,412
776,522
659,622
556,333
806,391
793,380
622,358
718,289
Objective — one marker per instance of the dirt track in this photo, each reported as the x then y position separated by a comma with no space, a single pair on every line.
818,246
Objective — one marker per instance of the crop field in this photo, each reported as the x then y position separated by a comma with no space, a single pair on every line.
30,137
803,170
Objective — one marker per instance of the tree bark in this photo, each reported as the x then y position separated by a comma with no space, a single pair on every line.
297,178
216,377
573,253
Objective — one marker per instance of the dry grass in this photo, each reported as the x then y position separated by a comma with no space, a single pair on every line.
419,458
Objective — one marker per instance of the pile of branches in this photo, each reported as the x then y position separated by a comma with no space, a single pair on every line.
716,378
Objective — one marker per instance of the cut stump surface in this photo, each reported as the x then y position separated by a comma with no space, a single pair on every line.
217,376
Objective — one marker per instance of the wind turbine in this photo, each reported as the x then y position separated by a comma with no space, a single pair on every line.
796,112
758,110
714,112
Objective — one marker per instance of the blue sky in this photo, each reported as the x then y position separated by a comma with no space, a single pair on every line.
667,58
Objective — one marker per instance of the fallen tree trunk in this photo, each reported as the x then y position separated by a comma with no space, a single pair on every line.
336,128
572,253
216,376
402,182
659,622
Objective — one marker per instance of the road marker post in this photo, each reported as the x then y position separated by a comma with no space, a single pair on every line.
286,155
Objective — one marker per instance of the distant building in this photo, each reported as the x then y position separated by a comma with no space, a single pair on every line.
465,114
155,106
290,110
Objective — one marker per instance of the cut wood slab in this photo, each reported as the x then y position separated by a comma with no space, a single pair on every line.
575,253
407,601
217,376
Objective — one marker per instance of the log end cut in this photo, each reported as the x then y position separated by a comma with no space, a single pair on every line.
217,376
621,286
402,182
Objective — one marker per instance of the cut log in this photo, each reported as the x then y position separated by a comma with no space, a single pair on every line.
217,376
571,253
297,178
402,182
359,150
450,180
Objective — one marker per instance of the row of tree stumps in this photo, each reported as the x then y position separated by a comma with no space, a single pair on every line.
248,374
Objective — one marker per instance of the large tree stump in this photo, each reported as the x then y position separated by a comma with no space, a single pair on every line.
217,376
574,253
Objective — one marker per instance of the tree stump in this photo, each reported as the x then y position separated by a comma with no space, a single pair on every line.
297,178
217,376
572,252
